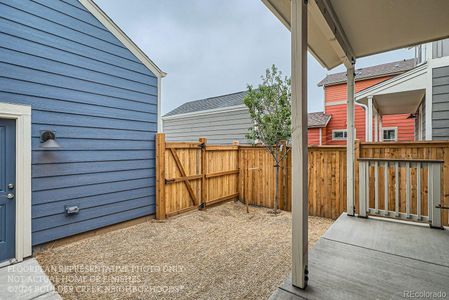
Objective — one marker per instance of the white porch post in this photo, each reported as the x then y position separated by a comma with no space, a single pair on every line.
369,125
299,144
380,128
350,142
376,125
429,88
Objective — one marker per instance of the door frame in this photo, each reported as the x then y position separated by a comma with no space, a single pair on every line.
22,115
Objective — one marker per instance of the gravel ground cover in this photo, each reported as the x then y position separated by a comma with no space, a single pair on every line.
220,253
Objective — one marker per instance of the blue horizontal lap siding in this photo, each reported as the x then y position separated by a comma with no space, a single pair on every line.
101,101
49,209
40,37
59,18
76,192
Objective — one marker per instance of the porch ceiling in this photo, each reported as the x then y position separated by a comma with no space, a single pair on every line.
399,103
399,95
343,29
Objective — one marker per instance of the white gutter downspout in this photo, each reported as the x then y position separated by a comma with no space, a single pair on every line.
366,117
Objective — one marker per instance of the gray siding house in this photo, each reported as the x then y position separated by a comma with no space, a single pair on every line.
79,105
440,99
221,120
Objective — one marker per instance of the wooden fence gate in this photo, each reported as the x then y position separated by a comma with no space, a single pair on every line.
194,175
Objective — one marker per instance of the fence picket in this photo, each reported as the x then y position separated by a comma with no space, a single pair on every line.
225,172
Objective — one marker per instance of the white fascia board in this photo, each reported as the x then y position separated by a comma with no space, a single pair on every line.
380,87
278,14
207,112
334,39
328,120
98,13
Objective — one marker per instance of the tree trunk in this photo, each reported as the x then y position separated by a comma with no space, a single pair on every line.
276,193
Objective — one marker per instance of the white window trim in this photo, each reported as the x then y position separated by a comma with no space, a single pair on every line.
22,115
395,134
341,130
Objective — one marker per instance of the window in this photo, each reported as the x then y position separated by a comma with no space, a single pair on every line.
339,134
389,134
440,48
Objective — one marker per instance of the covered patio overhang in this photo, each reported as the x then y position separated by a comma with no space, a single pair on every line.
402,94
399,95
338,32
405,102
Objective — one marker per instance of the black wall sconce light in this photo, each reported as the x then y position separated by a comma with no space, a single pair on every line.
48,140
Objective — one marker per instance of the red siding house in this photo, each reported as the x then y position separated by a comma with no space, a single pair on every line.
394,127
317,123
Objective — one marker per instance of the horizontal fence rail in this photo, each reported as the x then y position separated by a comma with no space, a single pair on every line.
192,175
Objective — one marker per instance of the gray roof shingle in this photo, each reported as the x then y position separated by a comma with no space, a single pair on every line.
392,68
315,120
209,103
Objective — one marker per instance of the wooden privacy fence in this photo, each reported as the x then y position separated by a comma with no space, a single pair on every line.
327,179
194,174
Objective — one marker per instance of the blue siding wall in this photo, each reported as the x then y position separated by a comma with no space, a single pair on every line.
99,98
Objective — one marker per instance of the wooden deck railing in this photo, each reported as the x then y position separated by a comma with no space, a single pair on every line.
195,174
417,207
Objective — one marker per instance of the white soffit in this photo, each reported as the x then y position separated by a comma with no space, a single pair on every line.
399,103
415,79
369,26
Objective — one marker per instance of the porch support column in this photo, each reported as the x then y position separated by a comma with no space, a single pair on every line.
369,125
350,142
299,144
380,139
429,91
376,126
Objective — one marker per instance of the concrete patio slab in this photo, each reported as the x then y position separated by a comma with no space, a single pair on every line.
413,241
26,280
374,259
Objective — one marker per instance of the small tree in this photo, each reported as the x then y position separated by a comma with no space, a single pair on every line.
270,109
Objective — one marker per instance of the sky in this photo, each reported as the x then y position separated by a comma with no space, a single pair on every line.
215,47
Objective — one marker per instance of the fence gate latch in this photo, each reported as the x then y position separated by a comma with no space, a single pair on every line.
441,206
